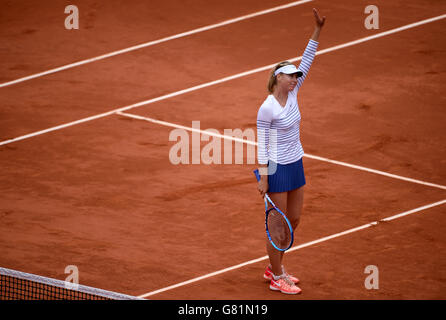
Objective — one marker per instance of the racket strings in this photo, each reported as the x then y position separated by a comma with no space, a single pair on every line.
279,230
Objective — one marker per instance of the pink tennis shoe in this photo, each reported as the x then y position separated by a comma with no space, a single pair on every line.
268,275
284,285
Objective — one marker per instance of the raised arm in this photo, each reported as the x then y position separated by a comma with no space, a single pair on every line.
319,24
310,50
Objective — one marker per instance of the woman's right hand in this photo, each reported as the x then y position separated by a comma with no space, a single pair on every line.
263,186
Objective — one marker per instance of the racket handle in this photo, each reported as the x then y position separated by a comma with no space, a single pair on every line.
256,172
266,198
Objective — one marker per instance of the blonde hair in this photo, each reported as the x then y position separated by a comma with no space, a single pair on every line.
272,78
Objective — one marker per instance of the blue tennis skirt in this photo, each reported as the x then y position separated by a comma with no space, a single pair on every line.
286,177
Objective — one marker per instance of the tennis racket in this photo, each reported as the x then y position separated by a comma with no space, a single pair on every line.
278,227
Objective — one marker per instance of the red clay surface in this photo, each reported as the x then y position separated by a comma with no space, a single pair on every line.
103,195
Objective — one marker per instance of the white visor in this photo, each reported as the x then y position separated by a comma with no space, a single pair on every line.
288,69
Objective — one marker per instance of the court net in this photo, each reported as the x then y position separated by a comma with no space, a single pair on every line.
17,285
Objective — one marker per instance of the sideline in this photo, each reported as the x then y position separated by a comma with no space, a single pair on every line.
208,84
304,245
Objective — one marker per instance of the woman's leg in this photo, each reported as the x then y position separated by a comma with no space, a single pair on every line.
276,256
295,201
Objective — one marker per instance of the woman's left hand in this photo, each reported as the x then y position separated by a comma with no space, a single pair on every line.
319,22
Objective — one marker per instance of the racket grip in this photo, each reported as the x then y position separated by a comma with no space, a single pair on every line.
256,172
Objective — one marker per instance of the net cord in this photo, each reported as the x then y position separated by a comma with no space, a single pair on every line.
67,285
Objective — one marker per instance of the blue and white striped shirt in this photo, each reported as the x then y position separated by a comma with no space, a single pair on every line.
278,135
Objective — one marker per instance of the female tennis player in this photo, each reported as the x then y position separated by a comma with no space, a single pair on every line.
280,151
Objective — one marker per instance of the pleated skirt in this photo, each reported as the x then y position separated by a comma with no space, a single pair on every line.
285,177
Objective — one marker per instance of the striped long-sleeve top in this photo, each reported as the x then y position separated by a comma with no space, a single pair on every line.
278,135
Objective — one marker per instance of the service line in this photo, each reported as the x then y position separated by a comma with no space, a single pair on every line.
221,136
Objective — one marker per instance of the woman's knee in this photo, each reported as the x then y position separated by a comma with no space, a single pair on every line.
295,206
294,222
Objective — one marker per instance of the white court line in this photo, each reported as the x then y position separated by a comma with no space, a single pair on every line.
208,84
345,164
304,245
154,42
390,175
173,125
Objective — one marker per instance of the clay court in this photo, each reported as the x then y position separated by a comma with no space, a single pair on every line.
83,182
